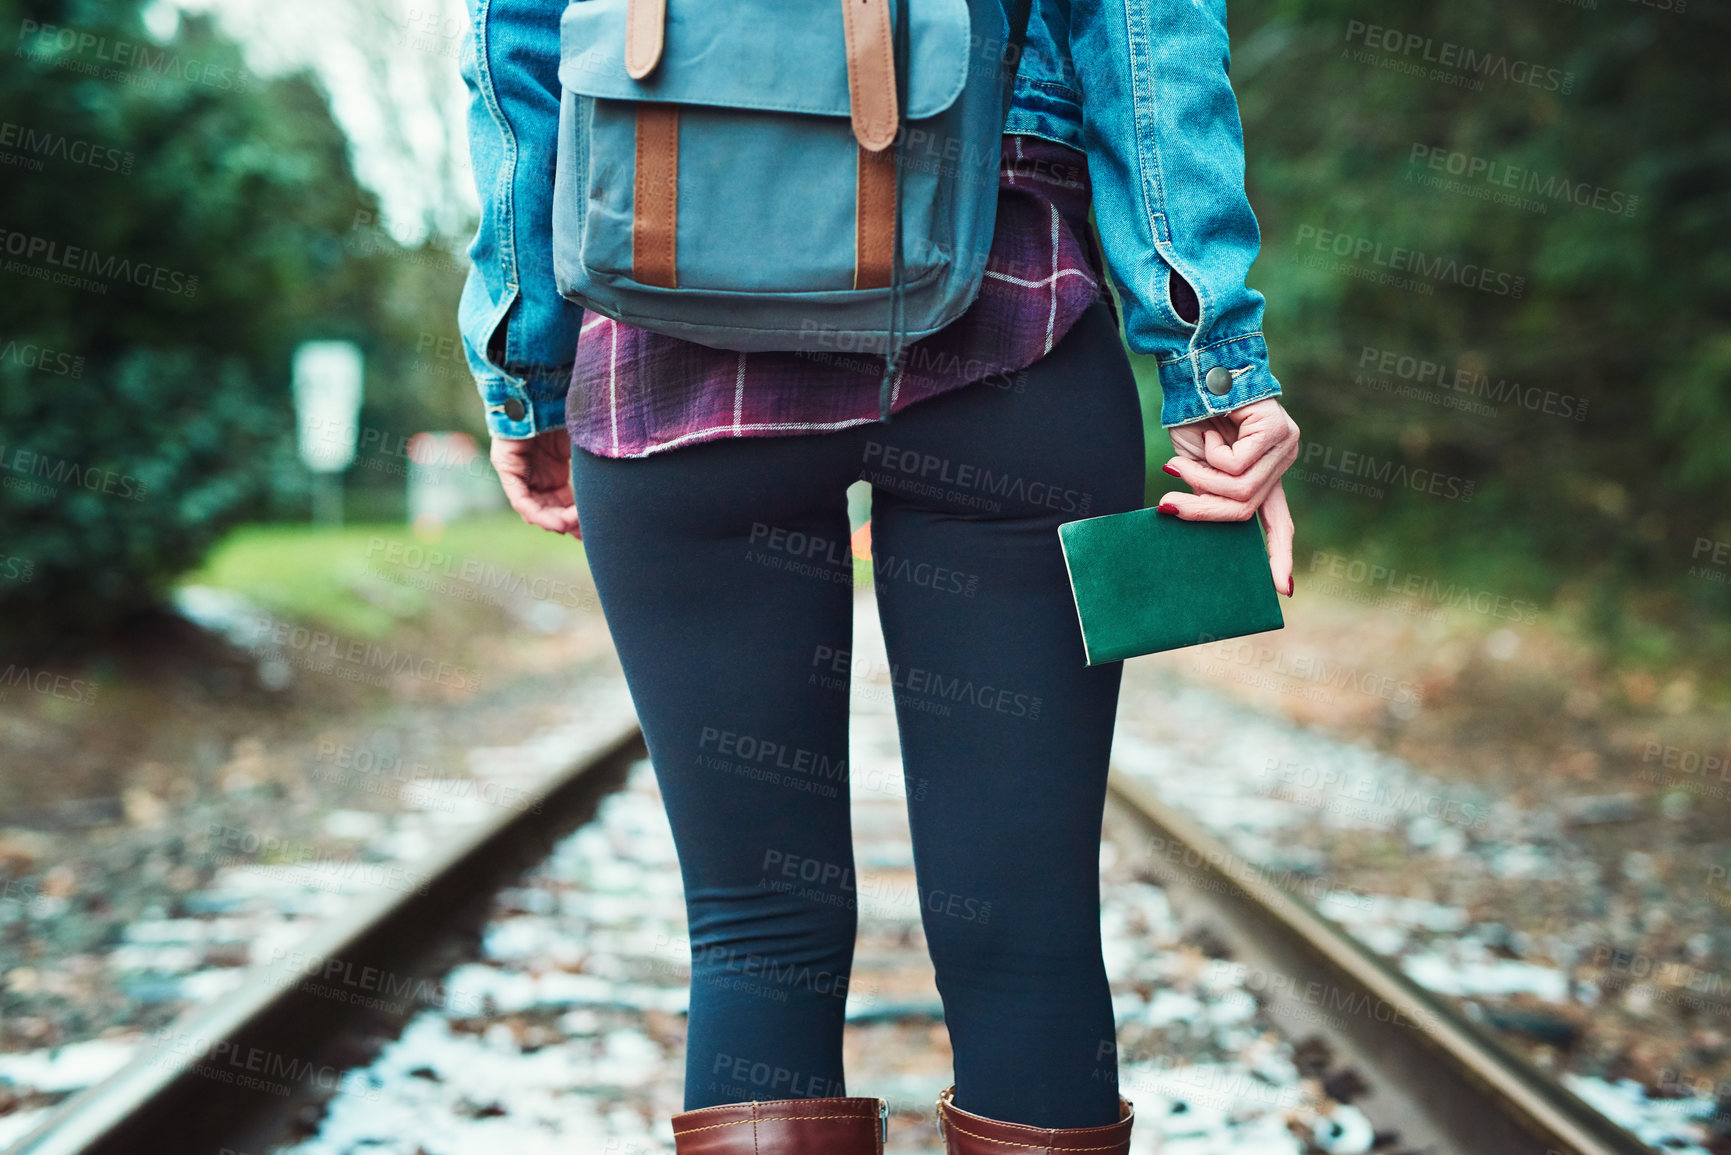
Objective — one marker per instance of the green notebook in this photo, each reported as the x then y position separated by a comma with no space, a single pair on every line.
1146,581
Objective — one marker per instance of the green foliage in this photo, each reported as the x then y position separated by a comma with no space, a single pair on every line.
180,398
218,213
1625,306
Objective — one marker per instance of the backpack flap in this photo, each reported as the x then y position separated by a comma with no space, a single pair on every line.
757,54
734,165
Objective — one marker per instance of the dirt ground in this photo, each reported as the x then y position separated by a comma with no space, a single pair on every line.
102,804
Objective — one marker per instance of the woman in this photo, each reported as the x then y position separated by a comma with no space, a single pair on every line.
711,491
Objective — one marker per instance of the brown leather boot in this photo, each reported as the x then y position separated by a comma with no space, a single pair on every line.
850,1126
966,1133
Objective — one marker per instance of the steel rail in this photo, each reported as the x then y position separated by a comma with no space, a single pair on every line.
1476,1097
195,1087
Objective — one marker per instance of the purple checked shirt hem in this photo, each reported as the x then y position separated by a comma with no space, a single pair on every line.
634,392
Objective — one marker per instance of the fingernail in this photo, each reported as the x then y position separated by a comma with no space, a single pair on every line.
1166,507
1168,468
1291,584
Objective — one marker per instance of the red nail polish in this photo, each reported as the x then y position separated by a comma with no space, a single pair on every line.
1166,507
1168,468
1291,584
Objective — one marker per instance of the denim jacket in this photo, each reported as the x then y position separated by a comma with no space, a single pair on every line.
1165,152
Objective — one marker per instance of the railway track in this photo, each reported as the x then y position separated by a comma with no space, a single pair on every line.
1426,1078
1434,1077
210,1082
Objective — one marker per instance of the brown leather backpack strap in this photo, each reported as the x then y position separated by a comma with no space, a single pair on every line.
645,24
874,235
871,72
655,217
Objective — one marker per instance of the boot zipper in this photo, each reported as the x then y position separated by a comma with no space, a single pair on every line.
883,1123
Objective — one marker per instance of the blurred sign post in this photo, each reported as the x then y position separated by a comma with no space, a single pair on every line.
327,392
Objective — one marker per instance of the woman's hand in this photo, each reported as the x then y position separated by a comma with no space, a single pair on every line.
536,473
1234,462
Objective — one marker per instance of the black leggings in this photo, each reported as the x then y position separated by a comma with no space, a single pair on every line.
734,631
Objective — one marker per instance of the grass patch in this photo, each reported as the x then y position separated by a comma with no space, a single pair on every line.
365,580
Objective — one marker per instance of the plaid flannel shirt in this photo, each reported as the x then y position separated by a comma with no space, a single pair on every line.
634,392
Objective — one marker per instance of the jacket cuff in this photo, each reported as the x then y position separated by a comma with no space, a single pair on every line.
1188,393
525,406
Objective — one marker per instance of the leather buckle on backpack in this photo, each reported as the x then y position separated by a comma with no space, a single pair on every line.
645,30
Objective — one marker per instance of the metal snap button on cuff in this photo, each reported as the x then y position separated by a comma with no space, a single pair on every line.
515,409
1219,380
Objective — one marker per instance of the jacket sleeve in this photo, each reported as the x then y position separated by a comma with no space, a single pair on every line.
519,334
1166,157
